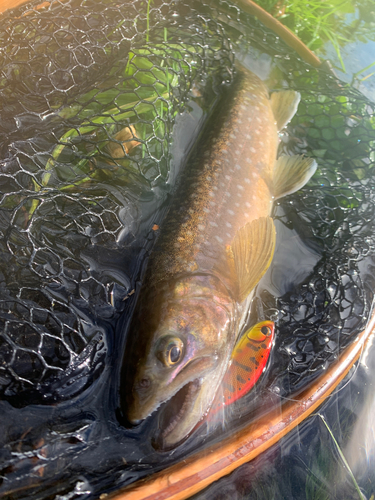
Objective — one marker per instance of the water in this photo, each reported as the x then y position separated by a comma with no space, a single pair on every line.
64,436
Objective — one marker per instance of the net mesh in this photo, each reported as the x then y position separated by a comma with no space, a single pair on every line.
87,114
91,98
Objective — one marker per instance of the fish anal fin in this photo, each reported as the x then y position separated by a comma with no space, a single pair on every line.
291,173
284,105
252,249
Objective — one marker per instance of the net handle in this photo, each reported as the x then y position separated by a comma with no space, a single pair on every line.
198,471
246,5
12,4
289,38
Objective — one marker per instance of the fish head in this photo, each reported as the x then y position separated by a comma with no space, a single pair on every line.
186,335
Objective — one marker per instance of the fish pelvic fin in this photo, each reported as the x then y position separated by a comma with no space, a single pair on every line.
284,105
291,173
250,254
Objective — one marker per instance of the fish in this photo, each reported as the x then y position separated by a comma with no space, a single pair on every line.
248,362
214,246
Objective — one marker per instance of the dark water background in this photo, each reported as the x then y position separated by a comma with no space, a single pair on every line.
62,437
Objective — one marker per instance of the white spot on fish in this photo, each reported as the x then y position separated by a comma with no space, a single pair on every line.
239,186
227,178
212,203
239,121
248,136
242,106
239,194
227,193
248,204
246,215
254,174
257,108
228,235
238,166
258,119
249,160
201,227
220,240
249,119
230,212
228,224
224,151
257,132
212,194
253,150
213,224
232,136
261,143
206,210
237,204
247,180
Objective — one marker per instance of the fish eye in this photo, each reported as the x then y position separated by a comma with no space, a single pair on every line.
171,351
174,354
266,330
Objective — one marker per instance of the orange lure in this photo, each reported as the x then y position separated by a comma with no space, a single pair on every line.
248,361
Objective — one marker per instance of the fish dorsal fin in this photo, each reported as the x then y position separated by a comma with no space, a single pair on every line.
291,173
251,253
284,105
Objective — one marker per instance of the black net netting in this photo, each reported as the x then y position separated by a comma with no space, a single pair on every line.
100,103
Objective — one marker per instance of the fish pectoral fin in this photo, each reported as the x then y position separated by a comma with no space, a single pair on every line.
284,105
252,251
291,173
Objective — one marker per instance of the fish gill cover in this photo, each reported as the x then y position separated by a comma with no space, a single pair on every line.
100,103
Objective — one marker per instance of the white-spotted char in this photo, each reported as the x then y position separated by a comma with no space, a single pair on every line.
215,244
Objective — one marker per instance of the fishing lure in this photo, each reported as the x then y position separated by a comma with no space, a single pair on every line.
247,363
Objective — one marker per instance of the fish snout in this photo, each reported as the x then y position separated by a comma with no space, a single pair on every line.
139,399
142,386
134,422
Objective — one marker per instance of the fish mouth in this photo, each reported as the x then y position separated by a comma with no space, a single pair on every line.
174,411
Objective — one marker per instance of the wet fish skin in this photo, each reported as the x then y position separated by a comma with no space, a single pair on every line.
227,185
215,245
197,311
